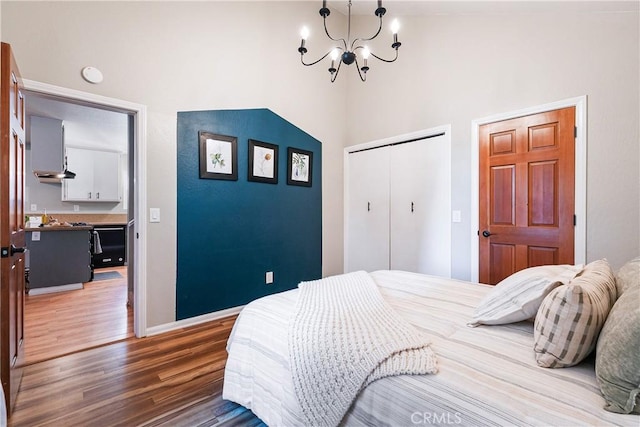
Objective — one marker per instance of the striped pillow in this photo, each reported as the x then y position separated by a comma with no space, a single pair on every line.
518,296
570,318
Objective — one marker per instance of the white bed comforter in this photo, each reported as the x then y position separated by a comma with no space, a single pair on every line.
486,375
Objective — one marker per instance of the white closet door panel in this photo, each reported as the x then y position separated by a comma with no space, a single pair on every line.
420,207
368,210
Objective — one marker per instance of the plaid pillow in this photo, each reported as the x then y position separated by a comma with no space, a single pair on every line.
570,318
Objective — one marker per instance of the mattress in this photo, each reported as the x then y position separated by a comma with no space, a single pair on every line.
487,375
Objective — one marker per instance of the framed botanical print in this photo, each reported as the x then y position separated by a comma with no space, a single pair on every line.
299,167
218,156
263,162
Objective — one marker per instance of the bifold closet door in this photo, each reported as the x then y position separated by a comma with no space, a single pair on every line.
368,210
420,202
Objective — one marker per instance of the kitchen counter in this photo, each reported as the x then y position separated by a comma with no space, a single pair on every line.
59,258
61,228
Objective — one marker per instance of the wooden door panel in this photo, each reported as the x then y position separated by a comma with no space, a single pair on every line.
503,204
526,193
543,194
539,255
503,143
12,235
504,256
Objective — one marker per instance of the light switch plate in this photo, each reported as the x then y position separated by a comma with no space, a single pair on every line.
154,214
456,216
268,277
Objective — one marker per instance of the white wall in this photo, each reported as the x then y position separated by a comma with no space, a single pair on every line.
186,56
454,68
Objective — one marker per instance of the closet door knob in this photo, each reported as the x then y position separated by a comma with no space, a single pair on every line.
368,206
486,233
412,207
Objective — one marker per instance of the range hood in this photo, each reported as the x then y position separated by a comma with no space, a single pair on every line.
47,147
53,176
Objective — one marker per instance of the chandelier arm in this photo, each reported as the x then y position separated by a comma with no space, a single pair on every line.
384,60
335,75
314,62
370,38
344,42
363,78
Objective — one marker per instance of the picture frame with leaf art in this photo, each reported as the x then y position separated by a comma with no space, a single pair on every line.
299,167
263,162
218,156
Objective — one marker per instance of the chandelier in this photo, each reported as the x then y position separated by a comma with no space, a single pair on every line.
347,49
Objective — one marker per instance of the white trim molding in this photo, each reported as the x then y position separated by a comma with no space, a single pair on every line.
580,239
193,321
139,113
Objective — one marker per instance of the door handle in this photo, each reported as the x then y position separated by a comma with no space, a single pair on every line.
368,206
411,207
486,233
14,250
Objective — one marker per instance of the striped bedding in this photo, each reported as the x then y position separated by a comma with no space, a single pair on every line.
486,375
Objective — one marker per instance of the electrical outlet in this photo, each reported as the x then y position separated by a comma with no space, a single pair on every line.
268,277
76,208
34,207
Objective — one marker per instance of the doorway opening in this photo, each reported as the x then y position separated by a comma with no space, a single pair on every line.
122,126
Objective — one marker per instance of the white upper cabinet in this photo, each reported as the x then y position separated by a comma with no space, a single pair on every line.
97,176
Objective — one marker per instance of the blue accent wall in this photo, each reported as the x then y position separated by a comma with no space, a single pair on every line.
230,233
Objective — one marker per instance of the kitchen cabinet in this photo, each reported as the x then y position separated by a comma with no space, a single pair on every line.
97,176
398,208
58,256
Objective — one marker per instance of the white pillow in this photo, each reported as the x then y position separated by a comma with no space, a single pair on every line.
519,296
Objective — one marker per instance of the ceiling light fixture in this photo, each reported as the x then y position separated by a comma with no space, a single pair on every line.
347,48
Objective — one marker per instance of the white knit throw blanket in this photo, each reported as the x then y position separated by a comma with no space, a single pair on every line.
343,336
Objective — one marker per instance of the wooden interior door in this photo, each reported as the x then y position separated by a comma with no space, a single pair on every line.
527,193
368,210
12,235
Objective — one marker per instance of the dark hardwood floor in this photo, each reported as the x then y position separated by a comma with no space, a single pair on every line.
172,379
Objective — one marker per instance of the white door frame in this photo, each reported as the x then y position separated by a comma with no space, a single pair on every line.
139,113
580,232
420,134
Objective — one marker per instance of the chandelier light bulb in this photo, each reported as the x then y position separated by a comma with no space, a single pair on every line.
395,26
304,33
335,53
365,53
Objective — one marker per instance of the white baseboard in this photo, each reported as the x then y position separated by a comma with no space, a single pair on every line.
52,289
192,321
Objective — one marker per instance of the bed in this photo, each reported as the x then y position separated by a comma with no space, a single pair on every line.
487,375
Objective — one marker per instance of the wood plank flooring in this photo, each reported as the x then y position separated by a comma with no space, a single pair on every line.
172,379
65,322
